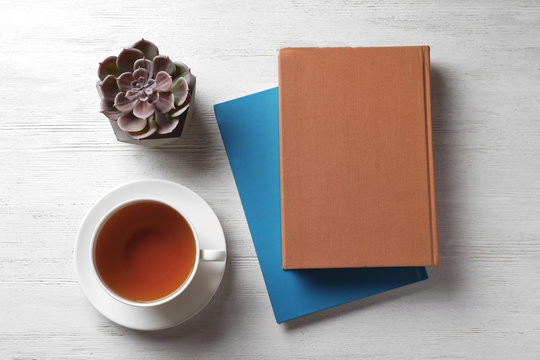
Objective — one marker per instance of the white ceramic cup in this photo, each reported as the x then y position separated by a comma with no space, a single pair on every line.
201,255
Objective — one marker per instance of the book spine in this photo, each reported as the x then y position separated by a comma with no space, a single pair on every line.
429,146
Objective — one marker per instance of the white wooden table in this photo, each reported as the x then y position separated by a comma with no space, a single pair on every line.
58,156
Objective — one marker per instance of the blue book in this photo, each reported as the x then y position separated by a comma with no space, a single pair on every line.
250,130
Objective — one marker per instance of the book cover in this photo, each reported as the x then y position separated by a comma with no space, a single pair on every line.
357,180
249,128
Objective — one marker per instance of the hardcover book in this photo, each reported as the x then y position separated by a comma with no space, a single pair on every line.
357,183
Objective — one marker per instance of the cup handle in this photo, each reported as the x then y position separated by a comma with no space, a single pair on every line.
212,255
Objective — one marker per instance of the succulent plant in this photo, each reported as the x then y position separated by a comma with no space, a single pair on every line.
143,91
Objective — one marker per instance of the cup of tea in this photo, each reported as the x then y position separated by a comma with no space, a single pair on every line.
146,252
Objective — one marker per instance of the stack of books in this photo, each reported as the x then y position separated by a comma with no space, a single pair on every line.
335,172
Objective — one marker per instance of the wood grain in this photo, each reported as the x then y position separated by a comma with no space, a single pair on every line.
58,155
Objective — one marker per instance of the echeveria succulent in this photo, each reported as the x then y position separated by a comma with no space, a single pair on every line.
144,92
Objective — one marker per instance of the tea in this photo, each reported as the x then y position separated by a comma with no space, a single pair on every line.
145,251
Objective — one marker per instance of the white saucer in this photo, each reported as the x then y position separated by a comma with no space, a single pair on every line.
201,289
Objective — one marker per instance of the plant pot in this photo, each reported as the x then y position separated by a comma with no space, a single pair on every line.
156,140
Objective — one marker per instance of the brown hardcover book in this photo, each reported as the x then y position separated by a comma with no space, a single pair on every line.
357,182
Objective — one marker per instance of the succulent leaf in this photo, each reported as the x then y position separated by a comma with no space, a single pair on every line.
179,111
129,122
112,114
123,103
108,109
108,87
127,58
140,72
166,124
144,63
180,90
163,63
108,67
133,94
182,70
150,128
163,81
153,98
149,49
143,109
124,81
165,102
107,104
